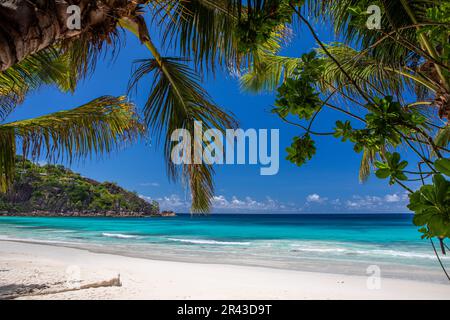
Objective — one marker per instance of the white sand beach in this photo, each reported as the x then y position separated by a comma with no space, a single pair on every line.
31,271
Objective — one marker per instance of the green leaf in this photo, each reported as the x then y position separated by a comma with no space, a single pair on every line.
431,205
421,219
383,173
443,166
301,150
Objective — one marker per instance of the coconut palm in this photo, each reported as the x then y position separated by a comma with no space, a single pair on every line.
175,101
96,128
208,35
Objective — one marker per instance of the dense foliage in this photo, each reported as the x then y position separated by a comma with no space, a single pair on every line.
389,89
54,189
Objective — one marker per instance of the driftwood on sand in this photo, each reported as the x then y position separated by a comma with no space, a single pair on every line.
42,290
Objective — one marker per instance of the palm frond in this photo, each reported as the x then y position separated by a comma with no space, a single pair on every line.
207,31
96,128
269,73
45,67
7,105
367,72
176,101
83,52
268,69
201,29
394,19
366,162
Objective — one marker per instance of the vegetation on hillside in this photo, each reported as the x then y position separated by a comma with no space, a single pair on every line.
56,190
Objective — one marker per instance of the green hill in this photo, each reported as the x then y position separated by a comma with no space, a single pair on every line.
53,190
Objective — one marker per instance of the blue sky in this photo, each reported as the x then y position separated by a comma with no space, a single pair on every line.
327,184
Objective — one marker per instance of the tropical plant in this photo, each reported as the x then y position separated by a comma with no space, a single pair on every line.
98,127
392,83
225,33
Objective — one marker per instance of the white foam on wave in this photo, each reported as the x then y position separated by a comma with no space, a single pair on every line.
204,241
62,231
406,254
365,252
38,241
330,250
119,235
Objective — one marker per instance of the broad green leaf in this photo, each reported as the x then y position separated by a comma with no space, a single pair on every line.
443,166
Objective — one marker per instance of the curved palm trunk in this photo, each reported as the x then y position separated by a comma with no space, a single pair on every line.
27,26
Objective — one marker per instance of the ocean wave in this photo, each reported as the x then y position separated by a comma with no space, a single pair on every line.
204,241
38,228
365,252
330,250
61,231
39,241
406,254
119,235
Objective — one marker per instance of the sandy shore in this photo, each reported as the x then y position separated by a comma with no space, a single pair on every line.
31,271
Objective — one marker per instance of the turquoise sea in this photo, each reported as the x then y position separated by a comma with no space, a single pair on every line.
344,243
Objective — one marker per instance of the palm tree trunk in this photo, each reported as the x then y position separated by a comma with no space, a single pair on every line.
27,26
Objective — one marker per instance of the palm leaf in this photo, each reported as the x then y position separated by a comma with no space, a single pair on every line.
368,73
268,73
366,162
394,18
98,127
268,69
45,67
201,29
176,101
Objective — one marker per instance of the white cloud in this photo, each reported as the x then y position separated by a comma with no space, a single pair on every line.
149,184
336,202
171,202
366,202
221,203
388,203
315,198
392,198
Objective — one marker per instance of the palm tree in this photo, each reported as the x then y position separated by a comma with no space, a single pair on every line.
208,34
96,128
29,26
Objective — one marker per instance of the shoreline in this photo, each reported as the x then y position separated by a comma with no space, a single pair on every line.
326,266
49,214
395,271
24,265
